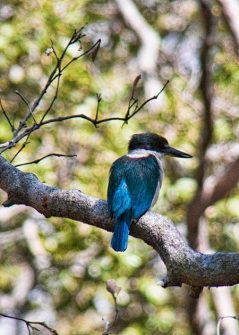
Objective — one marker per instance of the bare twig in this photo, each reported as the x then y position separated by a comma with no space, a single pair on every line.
98,96
54,97
6,116
222,318
94,121
87,52
23,130
36,161
54,75
148,100
31,324
133,102
26,103
95,51
54,51
22,147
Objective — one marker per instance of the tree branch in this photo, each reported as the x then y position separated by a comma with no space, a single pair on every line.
6,116
184,265
223,185
31,324
196,208
36,161
23,130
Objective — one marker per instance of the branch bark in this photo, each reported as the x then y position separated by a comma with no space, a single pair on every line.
196,207
184,265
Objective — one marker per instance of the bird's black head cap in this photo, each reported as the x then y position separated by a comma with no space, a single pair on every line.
154,142
147,141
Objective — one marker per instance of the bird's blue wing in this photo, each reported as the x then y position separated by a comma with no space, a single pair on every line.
142,181
118,196
132,185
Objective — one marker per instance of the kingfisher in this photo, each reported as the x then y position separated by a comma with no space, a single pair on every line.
134,183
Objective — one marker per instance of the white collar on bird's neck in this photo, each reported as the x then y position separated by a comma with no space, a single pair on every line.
140,153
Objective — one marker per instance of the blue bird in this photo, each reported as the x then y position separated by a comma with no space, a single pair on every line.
134,183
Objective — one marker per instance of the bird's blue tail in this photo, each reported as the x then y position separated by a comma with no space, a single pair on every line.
120,237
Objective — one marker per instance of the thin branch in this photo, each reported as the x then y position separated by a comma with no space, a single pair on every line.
6,116
54,51
95,51
98,96
30,324
148,100
26,103
132,100
75,37
54,97
125,119
36,161
21,148
87,52
22,131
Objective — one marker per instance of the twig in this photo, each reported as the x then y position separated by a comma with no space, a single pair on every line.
22,147
98,96
36,161
54,51
95,51
22,131
125,119
87,52
51,78
29,324
55,96
129,115
224,317
6,116
132,100
26,103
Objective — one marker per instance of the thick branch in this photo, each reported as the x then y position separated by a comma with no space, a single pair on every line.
195,208
183,264
223,185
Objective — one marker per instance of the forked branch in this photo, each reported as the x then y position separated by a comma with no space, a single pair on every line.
32,325
25,128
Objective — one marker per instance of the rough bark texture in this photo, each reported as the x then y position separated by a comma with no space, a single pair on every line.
184,265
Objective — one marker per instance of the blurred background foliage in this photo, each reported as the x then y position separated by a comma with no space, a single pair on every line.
56,269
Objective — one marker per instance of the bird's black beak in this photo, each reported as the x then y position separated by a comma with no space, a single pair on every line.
176,153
